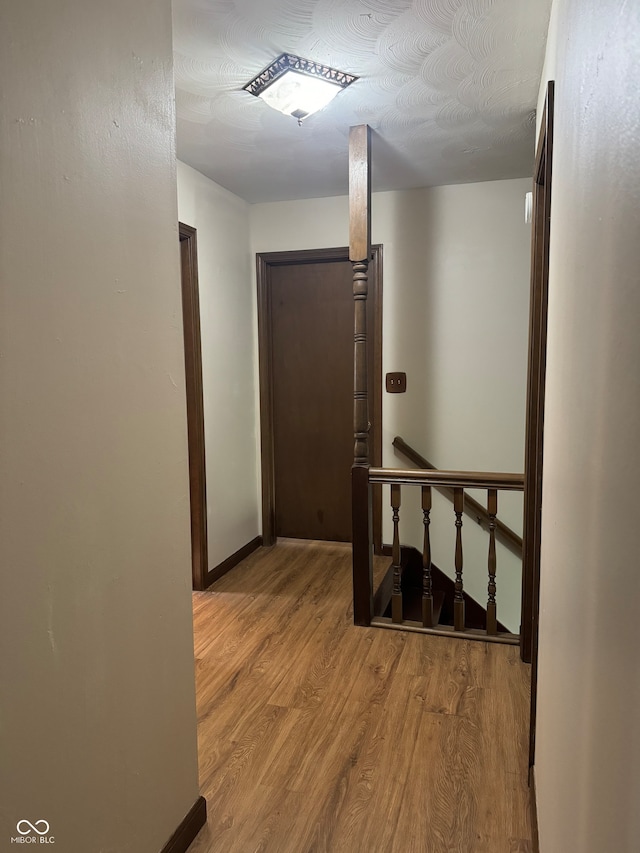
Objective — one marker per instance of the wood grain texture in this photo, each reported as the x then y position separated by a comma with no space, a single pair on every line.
317,735
360,193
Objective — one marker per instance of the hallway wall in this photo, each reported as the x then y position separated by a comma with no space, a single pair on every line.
456,298
588,735
227,302
98,732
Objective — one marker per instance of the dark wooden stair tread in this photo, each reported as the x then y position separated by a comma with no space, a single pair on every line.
438,601
412,605
443,588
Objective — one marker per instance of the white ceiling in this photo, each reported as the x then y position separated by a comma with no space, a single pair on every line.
448,86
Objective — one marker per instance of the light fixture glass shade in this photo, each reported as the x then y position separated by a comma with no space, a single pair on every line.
299,95
298,87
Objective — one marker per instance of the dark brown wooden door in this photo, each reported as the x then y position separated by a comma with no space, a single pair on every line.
306,328
312,351
310,334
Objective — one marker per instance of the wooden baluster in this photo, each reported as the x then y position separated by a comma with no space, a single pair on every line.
492,510
458,597
427,589
396,595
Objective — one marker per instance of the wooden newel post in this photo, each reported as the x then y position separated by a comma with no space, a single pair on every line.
359,254
360,391
362,536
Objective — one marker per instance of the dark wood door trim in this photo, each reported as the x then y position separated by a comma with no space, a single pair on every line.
195,405
264,261
535,402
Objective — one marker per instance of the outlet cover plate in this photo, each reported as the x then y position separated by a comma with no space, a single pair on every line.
396,383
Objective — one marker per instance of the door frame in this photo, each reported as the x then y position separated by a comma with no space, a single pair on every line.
195,404
264,262
534,442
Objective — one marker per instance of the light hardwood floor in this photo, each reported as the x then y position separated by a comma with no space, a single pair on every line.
316,736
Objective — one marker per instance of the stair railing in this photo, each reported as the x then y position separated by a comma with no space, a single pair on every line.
369,605
504,534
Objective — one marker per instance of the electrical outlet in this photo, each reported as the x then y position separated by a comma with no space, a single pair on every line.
396,383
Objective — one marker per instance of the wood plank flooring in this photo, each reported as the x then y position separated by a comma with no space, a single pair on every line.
316,736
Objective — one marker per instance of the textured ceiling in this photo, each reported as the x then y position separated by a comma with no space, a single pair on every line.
448,86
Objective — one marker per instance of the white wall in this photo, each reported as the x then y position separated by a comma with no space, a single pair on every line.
549,67
588,733
97,696
227,304
456,299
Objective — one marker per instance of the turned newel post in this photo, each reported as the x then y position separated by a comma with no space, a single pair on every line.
360,387
359,254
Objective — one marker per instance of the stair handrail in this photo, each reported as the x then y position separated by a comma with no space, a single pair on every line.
504,534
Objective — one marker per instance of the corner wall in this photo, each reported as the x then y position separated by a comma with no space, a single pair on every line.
227,304
588,734
97,702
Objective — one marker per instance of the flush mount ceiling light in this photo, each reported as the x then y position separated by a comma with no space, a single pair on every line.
298,87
